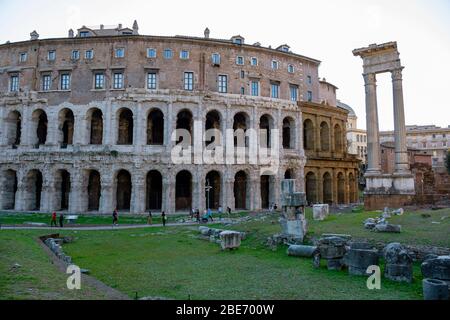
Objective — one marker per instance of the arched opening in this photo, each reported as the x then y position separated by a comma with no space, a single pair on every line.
13,128
240,126
95,123
289,174
288,133
155,128
126,125
212,197
311,188
154,190
327,188
265,191
40,124
341,188
338,145
9,189
325,136
33,191
66,126
184,122
353,193
94,190
266,124
62,186
124,186
213,121
308,135
183,191
240,191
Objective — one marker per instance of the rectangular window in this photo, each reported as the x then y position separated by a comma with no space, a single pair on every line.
84,34
23,57
240,60
151,53
309,79
291,68
168,54
51,55
294,93
65,81
184,54
118,80
274,64
189,81
99,82
14,83
275,90
242,74
151,81
310,97
120,53
255,88
75,55
46,82
223,84
215,58
89,54
254,61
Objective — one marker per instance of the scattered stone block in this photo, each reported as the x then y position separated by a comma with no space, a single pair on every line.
358,260
294,228
388,228
320,212
301,251
434,289
398,263
230,240
437,268
334,264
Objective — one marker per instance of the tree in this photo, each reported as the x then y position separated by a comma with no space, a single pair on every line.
447,161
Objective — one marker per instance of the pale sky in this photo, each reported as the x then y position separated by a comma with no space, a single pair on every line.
327,30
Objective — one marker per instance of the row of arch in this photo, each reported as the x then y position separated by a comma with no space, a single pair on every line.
324,136
316,184
125,127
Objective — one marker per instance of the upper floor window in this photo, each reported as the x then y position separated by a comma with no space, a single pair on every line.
51,56
23,57
152,81
275,90
293,92
14,83
291,68
168,54
189,81
118,80
254,61
84,34
120,52
310,96
309,79
99,81
89,54
46,82
75,55
237,41
242,74
223,83
255,88
215,58
151,53
240,60
65,81
274,64
184,54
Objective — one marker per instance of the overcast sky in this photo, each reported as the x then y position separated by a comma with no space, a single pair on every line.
327,30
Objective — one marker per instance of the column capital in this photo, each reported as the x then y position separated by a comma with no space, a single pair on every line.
370,78
397,74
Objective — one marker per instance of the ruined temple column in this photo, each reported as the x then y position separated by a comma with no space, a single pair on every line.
373,139
401,153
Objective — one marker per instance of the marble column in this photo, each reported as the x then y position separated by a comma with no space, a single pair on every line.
401,153
373,139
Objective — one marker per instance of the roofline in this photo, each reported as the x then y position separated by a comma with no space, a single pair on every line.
185,38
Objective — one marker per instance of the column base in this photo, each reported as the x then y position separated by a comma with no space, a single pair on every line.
380,201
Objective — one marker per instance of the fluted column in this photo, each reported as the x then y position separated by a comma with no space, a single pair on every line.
373,140
401,152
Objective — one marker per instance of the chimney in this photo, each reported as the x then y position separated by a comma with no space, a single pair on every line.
206,33
135,27
34,35
120,26
71,34
102,26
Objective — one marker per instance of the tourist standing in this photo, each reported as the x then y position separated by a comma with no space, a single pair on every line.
115,217
229,211
150,218
163,216
61,220
53,223
197,215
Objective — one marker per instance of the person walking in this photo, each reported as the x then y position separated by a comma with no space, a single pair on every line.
115,217
197,215
163,216
150,218
53,222
61,220
210,215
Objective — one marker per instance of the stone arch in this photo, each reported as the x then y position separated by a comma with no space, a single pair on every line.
267,190
154,189
288,133
241,122
327,188
39,122
325,136
241,194
8,190
353,193
185,122
66,127
95,126
125,127
62,190
213,121
341,188
123,190
311,188
183,191
33,190
13,128
289,174
308,134
155,127
338,143
213,180
94,189
266,124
